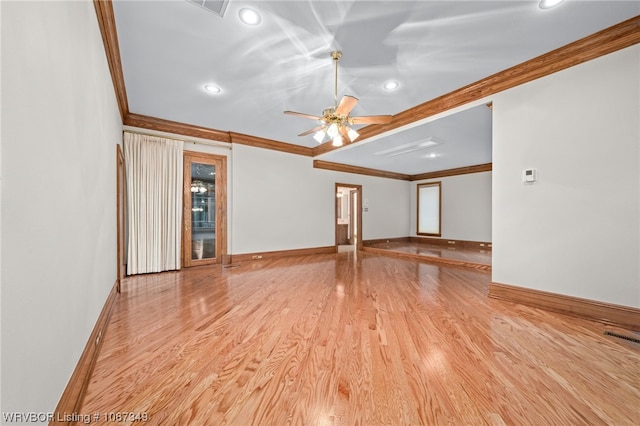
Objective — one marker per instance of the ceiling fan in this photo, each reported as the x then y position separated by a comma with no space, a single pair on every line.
336,120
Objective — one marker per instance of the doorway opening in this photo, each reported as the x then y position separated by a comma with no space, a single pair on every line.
348,218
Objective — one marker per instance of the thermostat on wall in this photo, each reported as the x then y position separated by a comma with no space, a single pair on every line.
529,175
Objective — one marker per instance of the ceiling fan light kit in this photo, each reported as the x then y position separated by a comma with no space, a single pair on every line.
335,121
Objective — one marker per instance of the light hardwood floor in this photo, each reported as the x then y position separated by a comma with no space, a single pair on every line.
436,253
439,250
354,339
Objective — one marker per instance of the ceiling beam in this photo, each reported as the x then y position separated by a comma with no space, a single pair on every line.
609,40
337,167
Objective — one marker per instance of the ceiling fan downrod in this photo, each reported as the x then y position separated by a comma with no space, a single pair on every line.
336,55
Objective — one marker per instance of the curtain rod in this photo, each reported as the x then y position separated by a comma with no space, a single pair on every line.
188,139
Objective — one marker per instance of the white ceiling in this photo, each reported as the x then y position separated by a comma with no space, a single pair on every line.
171,48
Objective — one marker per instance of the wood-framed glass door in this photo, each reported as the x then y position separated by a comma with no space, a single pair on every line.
204,231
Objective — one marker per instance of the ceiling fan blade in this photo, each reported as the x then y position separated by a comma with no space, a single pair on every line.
346,105
345,134
300,114
372,119
308,132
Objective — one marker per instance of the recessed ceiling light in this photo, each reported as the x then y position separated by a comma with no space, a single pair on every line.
391,85
249,16
548,4
212,88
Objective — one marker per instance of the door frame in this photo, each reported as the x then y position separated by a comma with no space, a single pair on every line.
121,189
358,207
220,162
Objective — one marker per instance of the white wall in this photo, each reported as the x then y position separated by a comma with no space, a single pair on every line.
466,206
576,231
280,202
60,127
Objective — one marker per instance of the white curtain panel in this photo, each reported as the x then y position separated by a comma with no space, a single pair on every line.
154,202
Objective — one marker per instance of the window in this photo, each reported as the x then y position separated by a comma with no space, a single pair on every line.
429,209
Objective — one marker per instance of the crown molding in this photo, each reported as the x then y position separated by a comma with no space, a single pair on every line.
258,142
107,24
609,40
161,125
487,167
337,167
174,127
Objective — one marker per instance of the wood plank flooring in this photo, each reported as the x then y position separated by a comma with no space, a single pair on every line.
353,339
435,253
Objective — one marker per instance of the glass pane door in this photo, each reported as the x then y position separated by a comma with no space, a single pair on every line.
204,215
203,211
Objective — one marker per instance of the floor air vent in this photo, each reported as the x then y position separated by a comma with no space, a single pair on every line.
216,6
622,336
